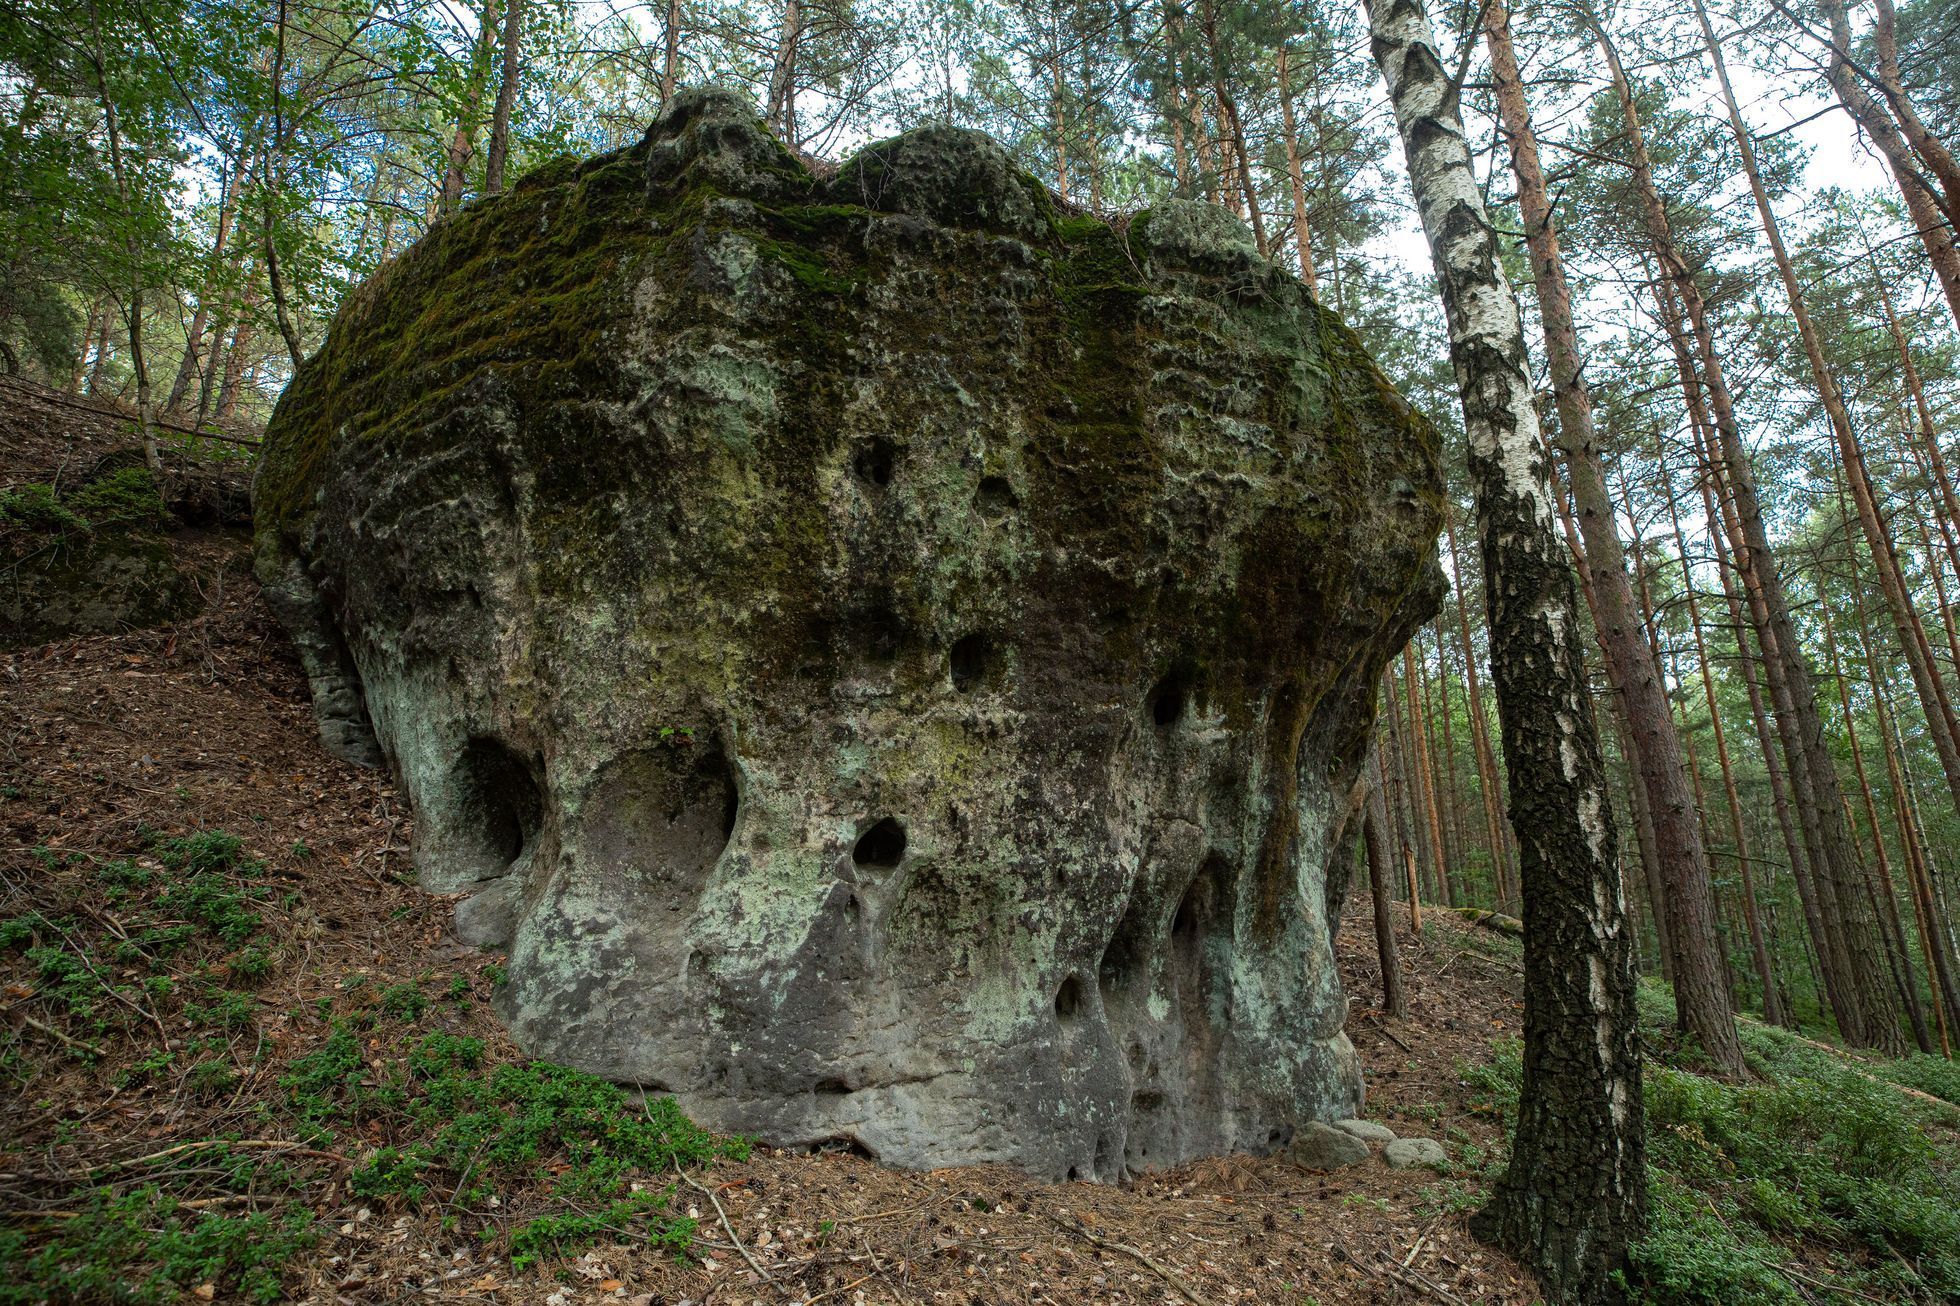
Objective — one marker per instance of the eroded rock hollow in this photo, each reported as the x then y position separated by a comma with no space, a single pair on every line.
889,659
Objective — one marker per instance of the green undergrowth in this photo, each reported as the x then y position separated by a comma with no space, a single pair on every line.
1818,1178
375,1096
125,499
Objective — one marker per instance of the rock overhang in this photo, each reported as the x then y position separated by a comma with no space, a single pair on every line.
890,657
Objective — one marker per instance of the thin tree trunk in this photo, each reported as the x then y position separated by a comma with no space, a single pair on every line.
96,329
1770,724
235,361
1500,850
1058,113
1643,821
1573,1195
1931,150
1889,918
192,364
1302,234
1448,774
1700,989
1933,697
1932,942
1872,1017
1751,913
670,53
462,144
1380,867
1409,782
1929,441
1425,778
1924,205
133,308
493,164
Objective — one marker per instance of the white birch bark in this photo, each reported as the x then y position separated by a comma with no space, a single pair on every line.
1574,1193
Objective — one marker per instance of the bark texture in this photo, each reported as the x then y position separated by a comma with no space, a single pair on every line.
1575,1191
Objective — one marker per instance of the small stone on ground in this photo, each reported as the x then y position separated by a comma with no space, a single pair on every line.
1410,1153
1323,1147
1366,1130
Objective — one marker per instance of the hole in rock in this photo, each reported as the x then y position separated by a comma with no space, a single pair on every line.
996,497
832,1088
880,846
1187,967
503,802
876,635
973,661
1068,998
664,816
1074,1174
845,1143
1123,956
876,462
1167,699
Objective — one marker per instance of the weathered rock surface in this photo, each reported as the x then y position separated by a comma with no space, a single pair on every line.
1322,1147
1415,1153
1368,1131
890,659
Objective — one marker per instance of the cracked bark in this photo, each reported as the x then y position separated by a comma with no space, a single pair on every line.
1574,1192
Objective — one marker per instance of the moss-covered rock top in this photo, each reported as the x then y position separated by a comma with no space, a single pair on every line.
889,657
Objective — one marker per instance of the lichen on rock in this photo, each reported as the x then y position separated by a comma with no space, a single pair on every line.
888,658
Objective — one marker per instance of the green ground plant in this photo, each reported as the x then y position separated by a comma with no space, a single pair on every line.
1819,1149
381,1103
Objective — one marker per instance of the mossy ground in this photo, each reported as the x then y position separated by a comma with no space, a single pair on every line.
1817,1175
182,935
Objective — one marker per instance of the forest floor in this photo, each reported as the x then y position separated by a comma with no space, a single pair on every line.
247,1059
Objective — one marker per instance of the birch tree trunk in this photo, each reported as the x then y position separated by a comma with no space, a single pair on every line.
1701,1000
1574,1193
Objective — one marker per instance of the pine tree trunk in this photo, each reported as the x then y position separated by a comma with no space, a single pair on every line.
1302,234
1923,204
1500,848
1574,1193
1889,918
493,164
1751,912
1380,867
1870,1012
1425,784
1700,986
670,53
1933,697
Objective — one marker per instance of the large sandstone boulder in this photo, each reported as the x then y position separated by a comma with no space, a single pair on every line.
889,660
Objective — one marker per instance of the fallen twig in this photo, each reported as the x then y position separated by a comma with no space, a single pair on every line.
1161,1270
221,1142
1386,1267
733,1237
